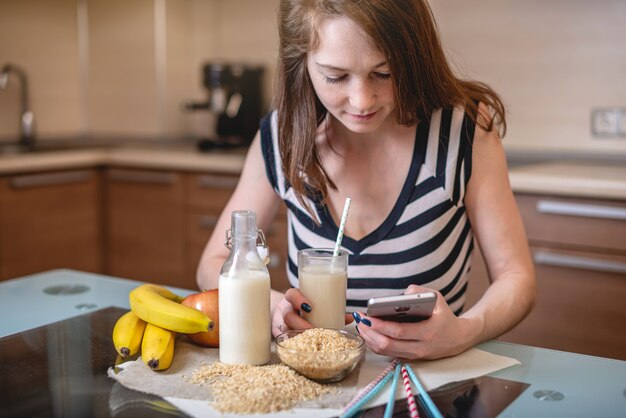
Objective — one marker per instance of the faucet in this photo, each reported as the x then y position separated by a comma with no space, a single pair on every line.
27,119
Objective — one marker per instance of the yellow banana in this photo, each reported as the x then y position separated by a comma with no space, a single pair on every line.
127,334
158,306
157,347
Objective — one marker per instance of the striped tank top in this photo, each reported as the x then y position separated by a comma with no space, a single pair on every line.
425,240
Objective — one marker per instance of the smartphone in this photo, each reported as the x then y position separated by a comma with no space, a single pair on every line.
404,308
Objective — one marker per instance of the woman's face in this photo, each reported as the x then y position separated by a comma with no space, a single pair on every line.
351,77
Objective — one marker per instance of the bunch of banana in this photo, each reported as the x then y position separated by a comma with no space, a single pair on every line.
158,306
156,316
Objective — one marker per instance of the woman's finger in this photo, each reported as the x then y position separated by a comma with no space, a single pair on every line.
278,322
396,330
298,300
413,288
384,345
295,321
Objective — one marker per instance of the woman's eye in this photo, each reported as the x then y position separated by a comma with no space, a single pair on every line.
383,76
335,80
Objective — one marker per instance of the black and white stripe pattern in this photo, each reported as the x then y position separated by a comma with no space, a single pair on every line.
425,240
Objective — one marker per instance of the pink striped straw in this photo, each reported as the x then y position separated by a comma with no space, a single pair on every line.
370,386
410,399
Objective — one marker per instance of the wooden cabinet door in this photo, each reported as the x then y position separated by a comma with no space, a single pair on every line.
580,304
200,226
50,220
207,194
145,225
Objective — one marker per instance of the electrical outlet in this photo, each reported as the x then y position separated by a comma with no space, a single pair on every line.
621,125
608,122
605,121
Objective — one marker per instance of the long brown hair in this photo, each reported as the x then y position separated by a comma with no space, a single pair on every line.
406,33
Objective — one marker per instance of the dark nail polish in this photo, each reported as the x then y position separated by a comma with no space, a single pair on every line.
366,322
356,317
357,330
306,307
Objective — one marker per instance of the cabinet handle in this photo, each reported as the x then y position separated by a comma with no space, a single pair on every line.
578,262
207,221
220,182
150,177
581,209
49,179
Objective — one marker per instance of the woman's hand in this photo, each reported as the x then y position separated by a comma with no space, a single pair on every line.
287,313
442,335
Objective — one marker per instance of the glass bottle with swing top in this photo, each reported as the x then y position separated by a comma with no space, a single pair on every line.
244,295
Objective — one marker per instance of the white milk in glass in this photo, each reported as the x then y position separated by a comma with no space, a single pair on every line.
323,280
245,328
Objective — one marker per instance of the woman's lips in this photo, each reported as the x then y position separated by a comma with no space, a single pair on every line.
363,117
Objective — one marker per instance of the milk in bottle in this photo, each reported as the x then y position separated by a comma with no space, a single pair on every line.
244,297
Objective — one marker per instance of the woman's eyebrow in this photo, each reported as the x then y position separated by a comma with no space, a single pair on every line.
332,67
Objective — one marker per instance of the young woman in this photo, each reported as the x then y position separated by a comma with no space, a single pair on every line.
368,107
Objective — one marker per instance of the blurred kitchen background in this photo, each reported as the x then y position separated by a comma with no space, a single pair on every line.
115,102
123,68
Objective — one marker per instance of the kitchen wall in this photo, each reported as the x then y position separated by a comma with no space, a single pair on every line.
40,36
552,62
124,68
115,67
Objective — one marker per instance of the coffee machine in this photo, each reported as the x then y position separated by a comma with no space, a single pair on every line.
235,99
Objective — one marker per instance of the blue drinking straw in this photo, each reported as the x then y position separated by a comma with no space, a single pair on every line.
392,394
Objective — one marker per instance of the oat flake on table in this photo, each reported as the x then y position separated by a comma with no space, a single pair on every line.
245,389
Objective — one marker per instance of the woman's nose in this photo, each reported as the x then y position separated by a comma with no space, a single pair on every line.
362,96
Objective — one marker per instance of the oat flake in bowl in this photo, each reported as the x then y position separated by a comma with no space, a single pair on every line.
323,355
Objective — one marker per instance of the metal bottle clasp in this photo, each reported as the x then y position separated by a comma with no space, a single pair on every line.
263,244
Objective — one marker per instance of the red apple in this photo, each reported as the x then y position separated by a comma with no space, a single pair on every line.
206,302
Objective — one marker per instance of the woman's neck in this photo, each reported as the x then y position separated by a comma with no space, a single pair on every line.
342,140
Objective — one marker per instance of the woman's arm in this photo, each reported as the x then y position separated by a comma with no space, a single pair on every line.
253,192
499,231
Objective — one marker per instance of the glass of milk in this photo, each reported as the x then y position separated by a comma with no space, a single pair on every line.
323,279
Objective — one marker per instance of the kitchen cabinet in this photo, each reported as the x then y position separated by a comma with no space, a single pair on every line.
579,250
207,194
50,220
145,225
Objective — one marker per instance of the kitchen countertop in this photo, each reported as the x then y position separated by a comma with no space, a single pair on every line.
590,179
165,157
576,179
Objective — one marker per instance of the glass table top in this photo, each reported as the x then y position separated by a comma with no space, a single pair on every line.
55,349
